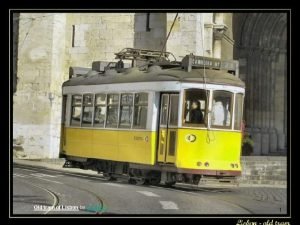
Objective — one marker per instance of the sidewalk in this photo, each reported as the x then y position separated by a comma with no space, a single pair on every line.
55,164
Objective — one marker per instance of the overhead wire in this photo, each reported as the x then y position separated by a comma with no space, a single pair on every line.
208,139
162,50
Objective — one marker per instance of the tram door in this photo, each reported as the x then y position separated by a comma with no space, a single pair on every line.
168,127
63,120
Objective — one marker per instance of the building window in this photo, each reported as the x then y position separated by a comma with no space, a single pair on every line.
221,109
195,107
238,111
148,22
112,110
76,110
140,110
126,110
78,35
87,115
100,110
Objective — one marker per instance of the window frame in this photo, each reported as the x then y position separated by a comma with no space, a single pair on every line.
140,104
205,120
230,127
170,107
132,114
83,106
100,105
71,110
92,125
164,125
242,110
118,108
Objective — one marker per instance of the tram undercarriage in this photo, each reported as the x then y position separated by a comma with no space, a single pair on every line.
167,175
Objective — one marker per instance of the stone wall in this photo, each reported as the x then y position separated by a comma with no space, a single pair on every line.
187,34
31,104
151,34
96,36
48,44
264,170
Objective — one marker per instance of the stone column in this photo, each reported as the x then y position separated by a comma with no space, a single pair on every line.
264,87
208,34
256,76
260,89
256,136
279,100
273,140
219,29
249,88
272,131
57,78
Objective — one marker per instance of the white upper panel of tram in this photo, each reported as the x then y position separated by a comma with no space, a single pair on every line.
147,86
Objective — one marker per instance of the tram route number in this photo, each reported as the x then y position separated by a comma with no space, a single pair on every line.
268,222
137,138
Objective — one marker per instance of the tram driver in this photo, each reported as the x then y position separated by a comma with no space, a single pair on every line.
194,115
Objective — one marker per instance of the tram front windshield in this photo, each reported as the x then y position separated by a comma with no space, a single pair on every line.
195,107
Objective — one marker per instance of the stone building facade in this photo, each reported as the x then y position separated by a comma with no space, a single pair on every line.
261,47
46,45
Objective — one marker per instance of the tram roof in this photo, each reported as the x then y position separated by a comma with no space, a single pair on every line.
156,74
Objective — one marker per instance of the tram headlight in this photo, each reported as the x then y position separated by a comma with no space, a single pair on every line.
206,164
199,163
232,165
236,165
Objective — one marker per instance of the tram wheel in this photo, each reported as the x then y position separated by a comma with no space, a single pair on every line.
137,181
170,183
154,181
140,181
131,181
109,177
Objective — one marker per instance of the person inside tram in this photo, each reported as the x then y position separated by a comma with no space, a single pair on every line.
220,114
196,115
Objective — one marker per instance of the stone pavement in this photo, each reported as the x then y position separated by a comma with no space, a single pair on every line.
58,163
275,195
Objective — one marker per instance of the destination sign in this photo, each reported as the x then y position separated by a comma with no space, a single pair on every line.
212,63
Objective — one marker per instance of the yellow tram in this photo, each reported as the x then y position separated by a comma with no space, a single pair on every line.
163,121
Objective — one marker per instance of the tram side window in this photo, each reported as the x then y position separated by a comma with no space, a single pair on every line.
238,111
87,110
76,110
112,110
140,110
100,110
195,107
221,109
126,110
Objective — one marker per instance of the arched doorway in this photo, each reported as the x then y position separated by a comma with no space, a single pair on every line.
261,47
